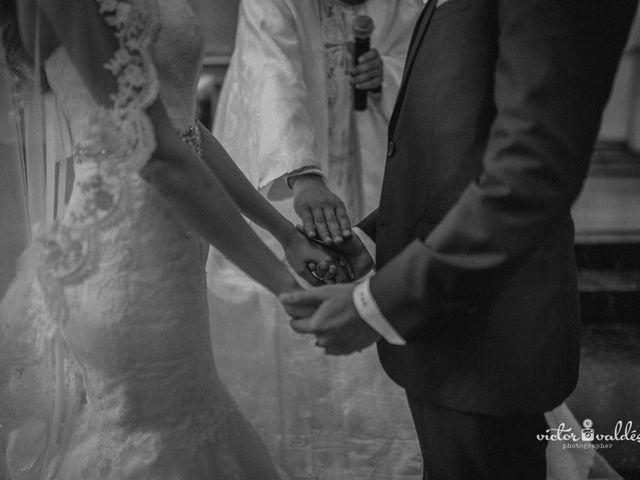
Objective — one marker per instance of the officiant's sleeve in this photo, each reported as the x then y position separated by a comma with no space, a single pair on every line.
264,116
553,76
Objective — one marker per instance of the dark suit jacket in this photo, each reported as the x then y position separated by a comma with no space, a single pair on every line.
489,145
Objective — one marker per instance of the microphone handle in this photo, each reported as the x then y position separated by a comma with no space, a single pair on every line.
362,46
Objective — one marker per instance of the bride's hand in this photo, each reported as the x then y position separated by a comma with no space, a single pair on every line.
304,256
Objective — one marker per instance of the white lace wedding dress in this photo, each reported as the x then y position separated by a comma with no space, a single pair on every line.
106,367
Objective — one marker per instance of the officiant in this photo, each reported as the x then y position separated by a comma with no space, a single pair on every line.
286,115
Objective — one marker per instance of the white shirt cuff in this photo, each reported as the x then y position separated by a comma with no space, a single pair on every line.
370,312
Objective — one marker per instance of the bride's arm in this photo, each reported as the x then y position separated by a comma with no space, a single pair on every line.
184,181
199,197
251,203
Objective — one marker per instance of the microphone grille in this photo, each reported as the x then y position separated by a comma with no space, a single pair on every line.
362,26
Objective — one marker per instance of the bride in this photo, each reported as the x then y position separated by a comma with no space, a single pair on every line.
106,369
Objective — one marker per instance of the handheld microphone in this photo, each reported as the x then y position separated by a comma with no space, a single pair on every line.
362,29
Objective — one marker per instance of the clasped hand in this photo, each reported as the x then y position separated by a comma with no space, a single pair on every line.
335,257
306,257
328,312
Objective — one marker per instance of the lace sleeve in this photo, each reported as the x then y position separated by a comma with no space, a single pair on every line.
266,90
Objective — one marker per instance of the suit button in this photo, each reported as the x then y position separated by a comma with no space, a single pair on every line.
391,148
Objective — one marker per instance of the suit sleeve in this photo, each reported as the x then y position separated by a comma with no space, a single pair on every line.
368,224
555,67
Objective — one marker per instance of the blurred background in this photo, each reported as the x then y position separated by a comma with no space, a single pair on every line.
607,217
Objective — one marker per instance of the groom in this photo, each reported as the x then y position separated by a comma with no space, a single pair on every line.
474,304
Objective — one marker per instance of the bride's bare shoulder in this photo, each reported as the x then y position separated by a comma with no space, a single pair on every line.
29,16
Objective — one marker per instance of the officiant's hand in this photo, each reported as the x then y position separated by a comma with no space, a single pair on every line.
322,212
368,73
329,314
305,256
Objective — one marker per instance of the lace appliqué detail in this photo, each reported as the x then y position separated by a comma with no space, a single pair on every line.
136,24
103,194
67,254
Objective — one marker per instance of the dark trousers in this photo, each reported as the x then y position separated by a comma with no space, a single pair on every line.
462,446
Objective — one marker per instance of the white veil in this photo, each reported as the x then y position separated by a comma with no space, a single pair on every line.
35,180
13,198
35,167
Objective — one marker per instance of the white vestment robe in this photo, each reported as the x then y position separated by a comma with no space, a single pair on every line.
285,106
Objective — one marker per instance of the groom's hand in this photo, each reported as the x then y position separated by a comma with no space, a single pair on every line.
329,314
